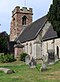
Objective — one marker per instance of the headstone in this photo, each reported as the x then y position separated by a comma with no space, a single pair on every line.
44,63
7,71
51,56
43,67
32,63
45,58
27,59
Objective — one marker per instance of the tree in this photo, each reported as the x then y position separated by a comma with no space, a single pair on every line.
54,16
4,39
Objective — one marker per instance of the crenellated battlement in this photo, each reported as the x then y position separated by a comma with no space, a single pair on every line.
22,10
21,18
18,22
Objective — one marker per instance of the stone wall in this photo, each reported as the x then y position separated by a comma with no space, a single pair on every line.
51,45
17,52
16,26
36,44
57,44
16,23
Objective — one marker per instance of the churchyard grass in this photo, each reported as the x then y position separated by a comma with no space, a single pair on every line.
23,73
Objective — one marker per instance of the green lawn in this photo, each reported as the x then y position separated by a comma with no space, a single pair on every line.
25,74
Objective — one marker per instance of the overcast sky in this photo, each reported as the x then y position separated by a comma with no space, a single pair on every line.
40,8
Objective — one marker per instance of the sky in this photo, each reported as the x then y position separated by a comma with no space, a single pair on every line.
40,8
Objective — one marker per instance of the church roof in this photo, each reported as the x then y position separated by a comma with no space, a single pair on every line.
31,31
50,34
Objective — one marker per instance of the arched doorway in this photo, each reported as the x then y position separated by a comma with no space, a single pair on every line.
58,52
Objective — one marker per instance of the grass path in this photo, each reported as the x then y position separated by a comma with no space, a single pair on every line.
25,74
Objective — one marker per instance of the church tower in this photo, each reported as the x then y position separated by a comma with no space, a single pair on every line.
21,17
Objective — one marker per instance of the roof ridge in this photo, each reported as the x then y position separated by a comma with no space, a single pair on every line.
32,30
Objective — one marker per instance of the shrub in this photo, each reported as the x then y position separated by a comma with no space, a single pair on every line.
22,56
7,58
1,58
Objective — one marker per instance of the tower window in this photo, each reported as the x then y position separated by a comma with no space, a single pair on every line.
24,20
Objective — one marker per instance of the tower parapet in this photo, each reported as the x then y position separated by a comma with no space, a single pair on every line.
22,10
16,10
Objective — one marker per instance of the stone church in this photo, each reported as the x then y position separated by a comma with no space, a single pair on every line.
38,39
21,18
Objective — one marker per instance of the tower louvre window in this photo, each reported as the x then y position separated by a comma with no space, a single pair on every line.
24,20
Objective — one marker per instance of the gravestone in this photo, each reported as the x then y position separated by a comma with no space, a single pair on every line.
27,59
44,63
43,67
51,56
32,63
7,71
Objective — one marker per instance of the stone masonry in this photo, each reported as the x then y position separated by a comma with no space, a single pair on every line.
16,24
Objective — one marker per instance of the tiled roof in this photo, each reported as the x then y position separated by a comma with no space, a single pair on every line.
32,30
50,34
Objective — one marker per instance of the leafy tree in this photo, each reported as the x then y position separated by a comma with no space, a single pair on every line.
4,40
54,16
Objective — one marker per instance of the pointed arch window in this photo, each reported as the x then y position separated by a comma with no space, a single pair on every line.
24,20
